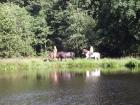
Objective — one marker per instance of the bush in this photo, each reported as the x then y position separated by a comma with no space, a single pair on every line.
133,64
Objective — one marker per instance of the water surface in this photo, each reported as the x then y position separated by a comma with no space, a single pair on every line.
69,88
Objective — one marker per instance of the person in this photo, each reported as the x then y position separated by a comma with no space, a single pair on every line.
91,50
54,52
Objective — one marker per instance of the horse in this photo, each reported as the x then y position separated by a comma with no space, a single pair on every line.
63,55
59,55
50,56
95,55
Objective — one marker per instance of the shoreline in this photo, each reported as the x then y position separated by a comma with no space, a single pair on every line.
38,63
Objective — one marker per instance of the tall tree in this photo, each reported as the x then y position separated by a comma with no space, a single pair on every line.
15,34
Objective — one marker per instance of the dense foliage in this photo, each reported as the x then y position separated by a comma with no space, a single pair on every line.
29,27
15,31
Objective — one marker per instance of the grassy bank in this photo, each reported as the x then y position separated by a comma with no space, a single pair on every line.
77,64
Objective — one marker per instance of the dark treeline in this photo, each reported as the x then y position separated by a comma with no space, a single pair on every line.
32,27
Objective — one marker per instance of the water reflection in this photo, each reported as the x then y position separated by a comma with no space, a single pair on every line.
94,73
57,77
40,77
93,76
65,88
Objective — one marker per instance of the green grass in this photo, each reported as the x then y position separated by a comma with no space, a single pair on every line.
73,65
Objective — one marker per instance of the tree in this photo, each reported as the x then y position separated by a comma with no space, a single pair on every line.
111,26
40,30
118,32
80,30
16,37
70,32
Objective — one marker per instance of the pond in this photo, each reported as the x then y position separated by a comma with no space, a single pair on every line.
69,88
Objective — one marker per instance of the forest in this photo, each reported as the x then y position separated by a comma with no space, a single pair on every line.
33,27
